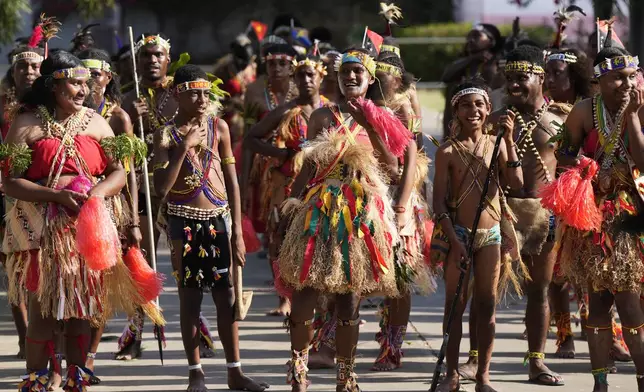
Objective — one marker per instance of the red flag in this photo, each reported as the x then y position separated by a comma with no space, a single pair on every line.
259,28
373,41
603,31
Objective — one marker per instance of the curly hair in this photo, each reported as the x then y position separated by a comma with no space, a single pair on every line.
579,72
113,89
189,73
527,53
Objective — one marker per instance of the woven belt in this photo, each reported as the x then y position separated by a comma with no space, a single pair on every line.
189,212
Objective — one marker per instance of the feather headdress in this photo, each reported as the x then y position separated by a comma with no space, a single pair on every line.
391,12
562,18
49,26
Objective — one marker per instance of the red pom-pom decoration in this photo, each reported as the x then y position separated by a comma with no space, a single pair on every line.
583,212
148,282
391,130
97,239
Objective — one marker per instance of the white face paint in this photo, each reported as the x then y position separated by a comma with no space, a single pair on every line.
353,80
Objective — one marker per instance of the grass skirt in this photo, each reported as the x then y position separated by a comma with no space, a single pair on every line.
43,259
342,237
610,260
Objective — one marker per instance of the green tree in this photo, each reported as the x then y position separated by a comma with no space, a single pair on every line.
13,11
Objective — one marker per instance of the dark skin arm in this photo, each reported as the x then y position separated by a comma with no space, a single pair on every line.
508,153
121,124
442,165
232,190
409,167
457,69
574,133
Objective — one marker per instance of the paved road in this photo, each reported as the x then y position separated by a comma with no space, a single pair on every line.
265,347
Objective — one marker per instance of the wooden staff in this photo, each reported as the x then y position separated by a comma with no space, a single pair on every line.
146,187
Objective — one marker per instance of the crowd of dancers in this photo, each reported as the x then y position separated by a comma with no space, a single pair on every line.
537,191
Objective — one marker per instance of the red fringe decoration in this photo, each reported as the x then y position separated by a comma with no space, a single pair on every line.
281,288
148,282
390,129
250,236
36,37
583,212
96,236
557,195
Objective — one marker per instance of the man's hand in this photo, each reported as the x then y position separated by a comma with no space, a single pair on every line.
458,254
141,107
506,122
636,101
70,199
239,249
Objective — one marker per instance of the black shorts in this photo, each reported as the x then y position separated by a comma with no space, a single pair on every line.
206,256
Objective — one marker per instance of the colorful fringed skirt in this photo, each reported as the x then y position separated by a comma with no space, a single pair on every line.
612,259
342,237
43,259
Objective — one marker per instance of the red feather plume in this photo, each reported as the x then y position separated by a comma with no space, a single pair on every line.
36,37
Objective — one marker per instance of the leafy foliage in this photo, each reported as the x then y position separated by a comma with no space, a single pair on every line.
11,15
93,8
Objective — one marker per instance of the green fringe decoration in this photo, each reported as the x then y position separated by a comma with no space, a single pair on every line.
560,128
184,58
15,158
215,92
124,147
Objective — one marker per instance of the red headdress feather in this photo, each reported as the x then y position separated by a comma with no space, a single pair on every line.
36,37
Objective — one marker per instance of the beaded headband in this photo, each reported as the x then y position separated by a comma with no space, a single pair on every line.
357,57
71,73
568,58
523,66
616,63
97,64
25,56
468,91
316,65
388,68
278,56
194,85
152,40
390,48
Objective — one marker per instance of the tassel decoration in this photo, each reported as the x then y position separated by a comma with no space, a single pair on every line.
557,195
148,282
186,249
202,252
34,382
583,212
391,130
188,232
77,379
97,239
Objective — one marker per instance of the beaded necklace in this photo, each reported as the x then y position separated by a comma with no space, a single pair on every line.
609,133
524,139
271,99
199,180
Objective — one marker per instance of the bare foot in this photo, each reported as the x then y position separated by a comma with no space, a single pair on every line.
324,358
238,381
196,381
283,309
566,349
449,384
468,370
484,387
619,353
130,352
600,387
298,388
